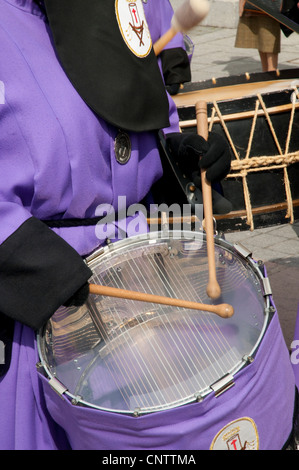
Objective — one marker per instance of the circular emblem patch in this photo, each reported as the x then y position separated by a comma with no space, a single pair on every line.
240,434
133,26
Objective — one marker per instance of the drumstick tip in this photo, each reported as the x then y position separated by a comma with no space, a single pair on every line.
213,290
228,310
224,310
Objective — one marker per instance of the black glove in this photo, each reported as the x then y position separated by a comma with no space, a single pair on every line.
173,89
175,68
193,152
79,297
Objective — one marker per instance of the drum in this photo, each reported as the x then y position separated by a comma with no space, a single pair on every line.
258,116
132,367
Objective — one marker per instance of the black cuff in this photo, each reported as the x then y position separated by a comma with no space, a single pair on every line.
79,297
39,272
175,66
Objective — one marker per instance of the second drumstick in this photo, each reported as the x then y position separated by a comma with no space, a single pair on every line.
213,288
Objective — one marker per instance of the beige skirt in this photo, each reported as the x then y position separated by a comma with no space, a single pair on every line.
258,32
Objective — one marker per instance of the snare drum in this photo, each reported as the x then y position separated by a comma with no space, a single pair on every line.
134,375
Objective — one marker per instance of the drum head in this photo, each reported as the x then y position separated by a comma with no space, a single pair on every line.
135,357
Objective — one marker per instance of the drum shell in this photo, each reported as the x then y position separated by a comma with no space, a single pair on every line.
264,391
265,383
137,357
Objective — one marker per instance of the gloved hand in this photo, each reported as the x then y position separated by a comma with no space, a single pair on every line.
79,297
173,89
193,152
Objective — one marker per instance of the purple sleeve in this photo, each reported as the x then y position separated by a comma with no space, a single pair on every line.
159,14
39,270
16,170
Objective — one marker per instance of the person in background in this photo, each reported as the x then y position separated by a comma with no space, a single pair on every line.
290,9
257,30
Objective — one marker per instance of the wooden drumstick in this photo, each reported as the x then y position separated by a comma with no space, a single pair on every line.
188,15
223,310
213,288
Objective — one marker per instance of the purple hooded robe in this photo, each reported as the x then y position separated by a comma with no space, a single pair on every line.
57,161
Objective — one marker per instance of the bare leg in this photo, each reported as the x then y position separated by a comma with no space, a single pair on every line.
263,57
269,61
272,61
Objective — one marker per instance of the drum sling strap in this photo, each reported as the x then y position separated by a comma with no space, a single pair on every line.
74,222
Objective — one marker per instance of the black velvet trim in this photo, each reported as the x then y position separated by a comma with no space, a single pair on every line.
39,272
121,86
175,66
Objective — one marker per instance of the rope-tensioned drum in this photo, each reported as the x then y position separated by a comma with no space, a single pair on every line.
284,158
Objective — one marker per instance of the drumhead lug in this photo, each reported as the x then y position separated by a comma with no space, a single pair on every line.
266,286
270,311
57,386
137,412
242,250
199,398
223,385
261,267
248,359
76,400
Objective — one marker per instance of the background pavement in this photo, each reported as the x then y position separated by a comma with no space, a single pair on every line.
216,56
278,246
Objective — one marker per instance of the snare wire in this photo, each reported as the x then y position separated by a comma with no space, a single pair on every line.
169,369
159,351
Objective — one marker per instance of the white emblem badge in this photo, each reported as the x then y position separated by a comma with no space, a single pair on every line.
133,26
240,434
